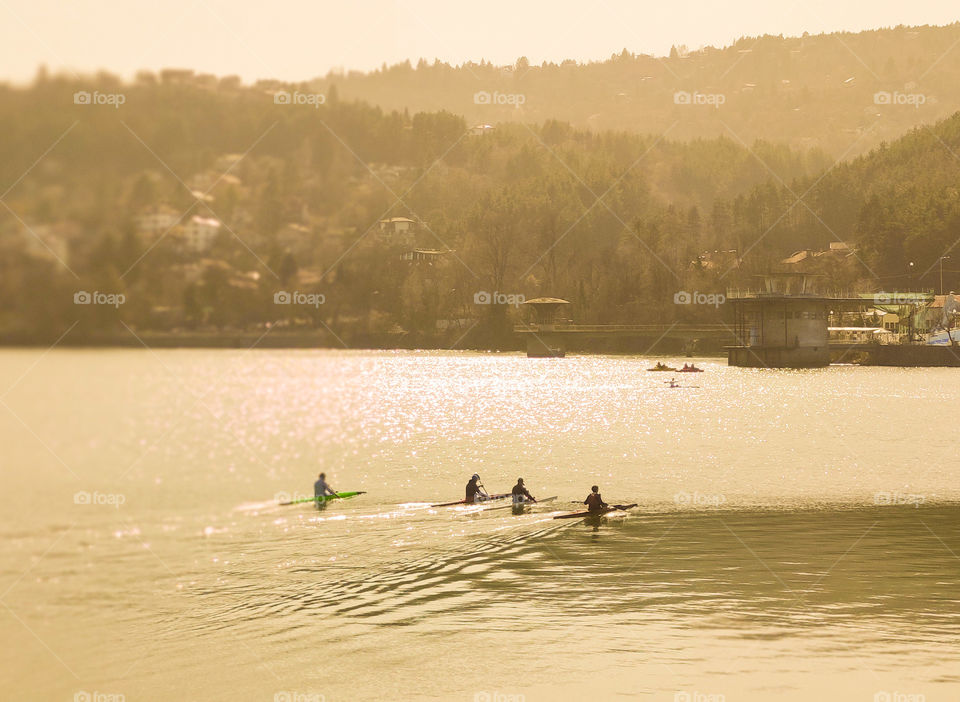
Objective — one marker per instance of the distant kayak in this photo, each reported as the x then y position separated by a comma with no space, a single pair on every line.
598,513
478,502
324,498
690,369
662,367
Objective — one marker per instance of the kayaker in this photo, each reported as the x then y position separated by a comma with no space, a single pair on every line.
594,502
520,493
321,489
475,491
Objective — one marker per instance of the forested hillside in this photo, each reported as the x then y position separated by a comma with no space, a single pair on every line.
900,204
200,200
842,92
298,191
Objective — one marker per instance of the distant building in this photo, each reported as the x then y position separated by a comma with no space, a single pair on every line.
781,325
813,261
425,256
200,232
398,231
157,220
481,129
719,261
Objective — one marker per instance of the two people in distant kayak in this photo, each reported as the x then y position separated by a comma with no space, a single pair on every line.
594,502
477,493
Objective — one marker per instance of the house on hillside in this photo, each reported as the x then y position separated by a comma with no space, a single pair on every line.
425,256
718,261
398,231
156,220
814,261
199,233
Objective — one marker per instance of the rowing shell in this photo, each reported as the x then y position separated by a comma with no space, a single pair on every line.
598,513
523,503
323,498
478,502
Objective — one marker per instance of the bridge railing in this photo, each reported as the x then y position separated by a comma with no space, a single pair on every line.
608,328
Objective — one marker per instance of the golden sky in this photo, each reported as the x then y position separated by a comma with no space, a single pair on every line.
301,40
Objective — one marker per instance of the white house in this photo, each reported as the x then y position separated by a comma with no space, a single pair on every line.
155,221
398,231
200,232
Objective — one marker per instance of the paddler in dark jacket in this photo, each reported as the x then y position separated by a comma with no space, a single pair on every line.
321,489
475,491
520,493
594,502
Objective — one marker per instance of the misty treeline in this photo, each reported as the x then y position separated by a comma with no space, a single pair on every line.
615,222
809,91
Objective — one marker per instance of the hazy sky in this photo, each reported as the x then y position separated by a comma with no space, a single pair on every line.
300,40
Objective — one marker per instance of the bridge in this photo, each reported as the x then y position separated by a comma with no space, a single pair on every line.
549,339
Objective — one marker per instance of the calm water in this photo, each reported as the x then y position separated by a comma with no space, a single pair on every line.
797,537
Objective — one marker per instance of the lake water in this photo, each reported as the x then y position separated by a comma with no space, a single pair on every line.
797,535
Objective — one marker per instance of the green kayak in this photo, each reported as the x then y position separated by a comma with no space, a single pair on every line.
323,498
